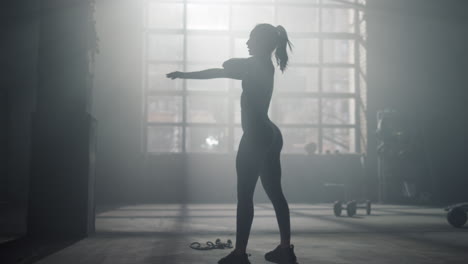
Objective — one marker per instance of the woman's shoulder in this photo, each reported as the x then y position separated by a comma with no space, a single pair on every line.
238,62
239,68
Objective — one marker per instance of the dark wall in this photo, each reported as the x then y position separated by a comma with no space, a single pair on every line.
117,95
418,65
3,142
19,53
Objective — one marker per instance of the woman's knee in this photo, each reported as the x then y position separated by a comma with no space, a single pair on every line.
245,201
279,199
245,194
273,191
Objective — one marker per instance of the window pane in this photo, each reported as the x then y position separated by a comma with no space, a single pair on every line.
297,111
164,139
246,17
363,59
215,17
338,51
157,79
208,48
297,79
236,87
295,139
164,109
206,139
237,137
211,85
299,1
304,51
206,85
338,20
340,80
338,139
206,109
195,1
240,48
338,2
165,15
298,19
240,1
362,25
165,47
338,111
237,112
363,90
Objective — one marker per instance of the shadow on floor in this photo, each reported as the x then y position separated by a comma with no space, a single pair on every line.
27,250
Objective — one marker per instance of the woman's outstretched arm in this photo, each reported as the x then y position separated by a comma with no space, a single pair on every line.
205,74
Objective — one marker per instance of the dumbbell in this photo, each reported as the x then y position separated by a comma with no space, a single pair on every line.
351,207
456,215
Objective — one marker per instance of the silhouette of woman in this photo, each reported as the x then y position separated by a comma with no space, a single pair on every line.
261,143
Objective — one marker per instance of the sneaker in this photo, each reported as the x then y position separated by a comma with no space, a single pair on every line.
282,255
234,258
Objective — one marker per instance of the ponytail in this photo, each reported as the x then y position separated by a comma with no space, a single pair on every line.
281,52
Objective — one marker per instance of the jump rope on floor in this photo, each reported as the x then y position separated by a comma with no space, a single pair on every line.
210,245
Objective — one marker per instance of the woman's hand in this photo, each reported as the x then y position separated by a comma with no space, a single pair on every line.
175,75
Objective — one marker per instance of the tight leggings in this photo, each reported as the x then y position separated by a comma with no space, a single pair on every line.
259,156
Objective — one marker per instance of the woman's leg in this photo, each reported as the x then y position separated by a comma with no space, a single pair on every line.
271,181
248,163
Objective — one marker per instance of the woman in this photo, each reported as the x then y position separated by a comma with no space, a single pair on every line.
261,143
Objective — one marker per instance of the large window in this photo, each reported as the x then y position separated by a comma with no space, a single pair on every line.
320,98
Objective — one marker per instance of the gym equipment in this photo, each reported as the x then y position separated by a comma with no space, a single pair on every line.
368,206
338,207
210,245
456,214
351,207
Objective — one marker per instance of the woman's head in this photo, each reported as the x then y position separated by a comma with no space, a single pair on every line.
265,38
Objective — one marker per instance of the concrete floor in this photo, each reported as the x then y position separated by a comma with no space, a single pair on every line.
163,233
